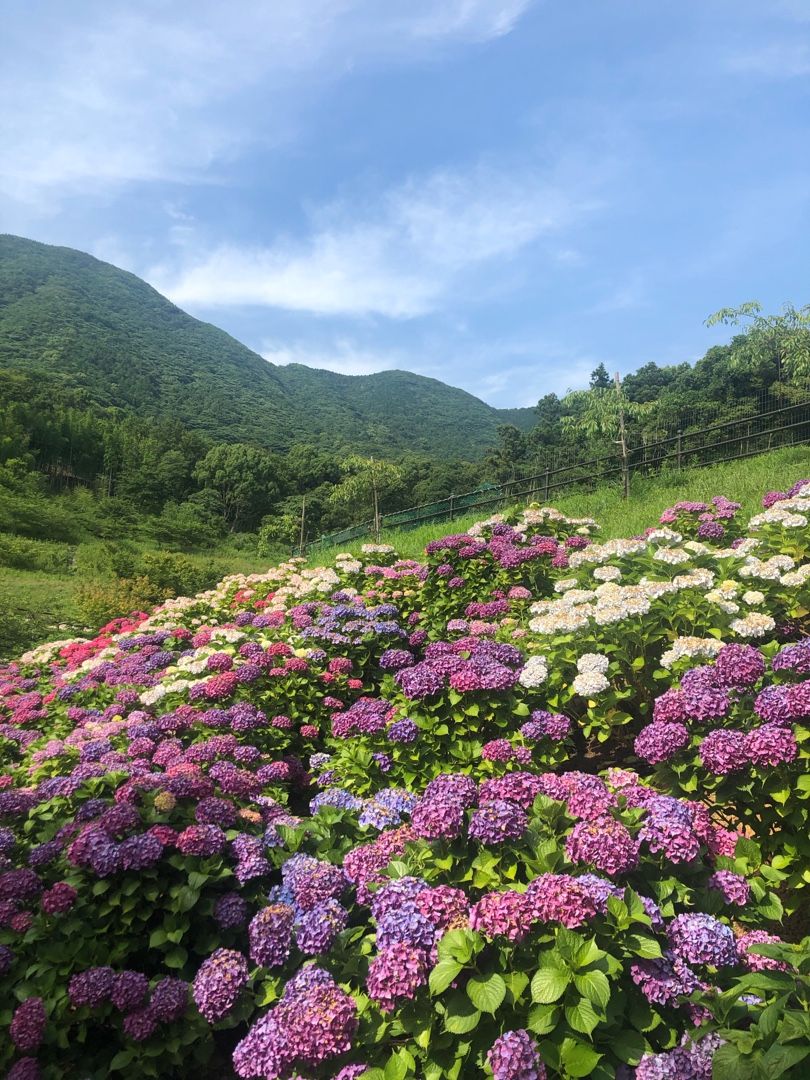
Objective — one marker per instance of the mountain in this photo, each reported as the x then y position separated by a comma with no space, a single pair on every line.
105,338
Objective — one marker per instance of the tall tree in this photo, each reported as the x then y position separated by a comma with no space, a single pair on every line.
785,336
607,412
600,380
366,481
247,480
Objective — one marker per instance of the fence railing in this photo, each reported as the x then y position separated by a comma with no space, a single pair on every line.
729,440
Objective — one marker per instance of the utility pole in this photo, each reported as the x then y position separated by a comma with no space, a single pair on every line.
622,438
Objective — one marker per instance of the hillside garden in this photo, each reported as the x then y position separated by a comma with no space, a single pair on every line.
531,804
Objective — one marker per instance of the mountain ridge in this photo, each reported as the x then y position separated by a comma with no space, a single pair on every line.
113,341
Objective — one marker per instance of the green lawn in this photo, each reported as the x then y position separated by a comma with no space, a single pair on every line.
744,481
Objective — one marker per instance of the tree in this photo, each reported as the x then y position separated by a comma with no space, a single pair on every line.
508,454
246,479
607,412
366,480
600,380
785,337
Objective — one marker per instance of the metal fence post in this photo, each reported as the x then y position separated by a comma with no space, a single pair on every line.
679,447
545,486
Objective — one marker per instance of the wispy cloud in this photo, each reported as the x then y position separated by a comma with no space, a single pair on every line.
109,95
343,356
397,259
774,60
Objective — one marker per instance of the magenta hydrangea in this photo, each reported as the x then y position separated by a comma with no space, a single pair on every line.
604,843
396,973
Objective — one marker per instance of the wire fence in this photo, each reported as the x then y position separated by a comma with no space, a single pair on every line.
778,425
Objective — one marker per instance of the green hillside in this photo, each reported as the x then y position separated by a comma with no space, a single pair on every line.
104,337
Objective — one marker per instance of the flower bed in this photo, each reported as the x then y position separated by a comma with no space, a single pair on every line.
534,807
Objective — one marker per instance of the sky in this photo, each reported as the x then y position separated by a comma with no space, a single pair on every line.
501,194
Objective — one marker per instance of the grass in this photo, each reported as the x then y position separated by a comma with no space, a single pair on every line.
745,481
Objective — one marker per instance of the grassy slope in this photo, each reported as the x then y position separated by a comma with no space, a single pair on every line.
745,481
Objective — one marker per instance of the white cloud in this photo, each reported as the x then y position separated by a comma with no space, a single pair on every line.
776,60
97,94
343,356
398,258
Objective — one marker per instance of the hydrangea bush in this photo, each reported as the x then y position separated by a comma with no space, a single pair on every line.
534,807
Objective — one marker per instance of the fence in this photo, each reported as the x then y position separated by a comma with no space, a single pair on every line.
744,436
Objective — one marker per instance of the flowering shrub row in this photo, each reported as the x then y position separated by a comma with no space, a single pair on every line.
367,820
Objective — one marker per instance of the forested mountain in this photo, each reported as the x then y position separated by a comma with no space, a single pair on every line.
100,336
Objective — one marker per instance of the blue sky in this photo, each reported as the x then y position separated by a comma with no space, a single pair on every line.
497,193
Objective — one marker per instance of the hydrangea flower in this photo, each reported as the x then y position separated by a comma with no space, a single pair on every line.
514,1056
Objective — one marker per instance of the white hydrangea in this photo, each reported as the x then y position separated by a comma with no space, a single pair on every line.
753,625
797,577
664,536
565,584
377,549
590,683
607,573
593,661
534,673
154,694
753,598
691,648
671,556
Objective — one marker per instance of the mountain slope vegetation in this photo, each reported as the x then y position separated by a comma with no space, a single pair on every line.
101,336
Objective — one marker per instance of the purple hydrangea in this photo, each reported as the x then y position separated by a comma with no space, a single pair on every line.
169,1000
231,911
723,752
498,821
739,666
403,731
28,1024
771,745
664,979
514,1056
317,928
734,887
92,987
219,982
660,741
270,934
697,938
563,899
128,990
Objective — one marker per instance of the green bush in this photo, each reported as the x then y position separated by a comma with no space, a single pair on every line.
21,553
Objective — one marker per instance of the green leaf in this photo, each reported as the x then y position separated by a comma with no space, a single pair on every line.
578,1059
543,1019
395,1068
442,975
121,1060
549,984
629,1046
643,945
729,1064
594,986
460,945
487,993
582,1016
461,1016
